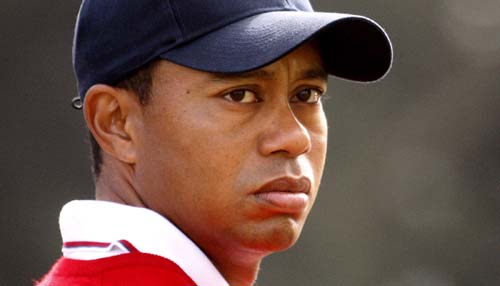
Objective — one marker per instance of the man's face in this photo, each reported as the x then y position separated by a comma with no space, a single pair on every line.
235,160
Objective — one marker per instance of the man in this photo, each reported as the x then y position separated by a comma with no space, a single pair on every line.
208,134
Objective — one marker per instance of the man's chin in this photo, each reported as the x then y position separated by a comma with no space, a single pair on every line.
275,234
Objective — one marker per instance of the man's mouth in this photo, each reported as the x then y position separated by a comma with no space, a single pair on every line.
286,194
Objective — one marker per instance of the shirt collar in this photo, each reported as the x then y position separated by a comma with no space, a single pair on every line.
146,230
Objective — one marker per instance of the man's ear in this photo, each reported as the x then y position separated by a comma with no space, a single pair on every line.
113,116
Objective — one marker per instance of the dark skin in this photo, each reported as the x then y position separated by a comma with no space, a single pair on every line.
202,146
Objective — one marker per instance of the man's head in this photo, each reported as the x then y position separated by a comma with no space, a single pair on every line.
204,146
210,113
117,42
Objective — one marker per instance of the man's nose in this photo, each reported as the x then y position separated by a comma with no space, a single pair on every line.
284,133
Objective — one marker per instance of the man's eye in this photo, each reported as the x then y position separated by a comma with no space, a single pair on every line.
241,96
308,95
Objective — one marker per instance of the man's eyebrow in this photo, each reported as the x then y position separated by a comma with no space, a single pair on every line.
263,74
313,73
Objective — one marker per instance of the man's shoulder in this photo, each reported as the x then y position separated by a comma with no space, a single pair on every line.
124,270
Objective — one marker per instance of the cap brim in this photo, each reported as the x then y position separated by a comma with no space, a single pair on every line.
353,47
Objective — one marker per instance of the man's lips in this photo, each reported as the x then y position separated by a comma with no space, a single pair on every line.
287,194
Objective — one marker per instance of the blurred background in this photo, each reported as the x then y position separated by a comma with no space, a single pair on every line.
411,192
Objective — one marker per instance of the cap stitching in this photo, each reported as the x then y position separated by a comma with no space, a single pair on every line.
177,18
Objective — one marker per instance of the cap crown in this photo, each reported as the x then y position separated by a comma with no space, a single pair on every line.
115,37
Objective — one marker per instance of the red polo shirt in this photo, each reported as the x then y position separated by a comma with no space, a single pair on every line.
109,244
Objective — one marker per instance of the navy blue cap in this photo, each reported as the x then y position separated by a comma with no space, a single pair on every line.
113,38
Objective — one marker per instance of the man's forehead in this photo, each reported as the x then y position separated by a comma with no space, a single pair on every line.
305,63
313,72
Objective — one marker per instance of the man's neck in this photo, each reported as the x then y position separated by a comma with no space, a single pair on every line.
116,184
239,268
239,273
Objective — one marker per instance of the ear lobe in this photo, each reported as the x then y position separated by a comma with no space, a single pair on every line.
112,115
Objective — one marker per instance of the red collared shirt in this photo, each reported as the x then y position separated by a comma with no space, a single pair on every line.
108,244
